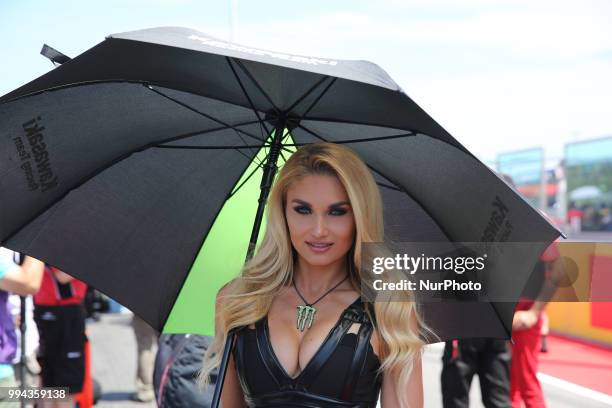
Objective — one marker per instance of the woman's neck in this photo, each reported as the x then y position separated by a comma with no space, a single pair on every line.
314,280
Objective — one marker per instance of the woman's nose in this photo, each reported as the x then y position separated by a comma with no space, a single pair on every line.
320,228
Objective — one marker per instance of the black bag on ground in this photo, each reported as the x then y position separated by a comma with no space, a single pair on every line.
178,361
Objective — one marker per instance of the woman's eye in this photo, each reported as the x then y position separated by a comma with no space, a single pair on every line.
302,210
306,210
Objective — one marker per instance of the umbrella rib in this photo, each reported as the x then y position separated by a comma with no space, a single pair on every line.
401,188
259,165
250,76
263,147
333,81
367,139
287,150
203,114
262,124
237,148
353,122
508,332
246,94
210,147
202,132
308,92
67,86
390,187
97,82
282,156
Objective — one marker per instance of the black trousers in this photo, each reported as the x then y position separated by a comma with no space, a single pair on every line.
490,359
61,351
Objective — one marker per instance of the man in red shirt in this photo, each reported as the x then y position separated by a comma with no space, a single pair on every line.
526,327
60,316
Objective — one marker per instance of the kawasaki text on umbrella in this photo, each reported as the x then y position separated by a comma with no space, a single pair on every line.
34,134
254,51
496,222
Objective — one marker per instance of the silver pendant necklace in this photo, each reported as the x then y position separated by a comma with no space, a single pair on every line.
306,312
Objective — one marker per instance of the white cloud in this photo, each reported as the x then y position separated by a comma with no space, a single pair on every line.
544,32
509,110
530,75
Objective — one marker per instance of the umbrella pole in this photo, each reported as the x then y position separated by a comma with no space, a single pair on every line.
22,360
265,186
18,259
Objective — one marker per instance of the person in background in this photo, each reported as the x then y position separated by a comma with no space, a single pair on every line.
23,280
489,358
32,368
574,218
544,333
589,218
60,316
604,217
504,381
146,343
526,330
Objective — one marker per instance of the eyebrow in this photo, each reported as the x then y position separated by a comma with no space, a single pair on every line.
330,206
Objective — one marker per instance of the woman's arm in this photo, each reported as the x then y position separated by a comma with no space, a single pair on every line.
25,279
231,395
413,393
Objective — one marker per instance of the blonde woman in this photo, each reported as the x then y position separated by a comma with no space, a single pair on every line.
305,338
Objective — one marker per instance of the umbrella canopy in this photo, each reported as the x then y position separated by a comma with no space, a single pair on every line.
119,167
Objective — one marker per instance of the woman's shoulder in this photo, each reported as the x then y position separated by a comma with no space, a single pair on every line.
223,294
226,289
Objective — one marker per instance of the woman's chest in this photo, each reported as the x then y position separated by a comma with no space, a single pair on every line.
295,349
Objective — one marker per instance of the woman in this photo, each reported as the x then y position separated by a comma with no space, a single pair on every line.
305,338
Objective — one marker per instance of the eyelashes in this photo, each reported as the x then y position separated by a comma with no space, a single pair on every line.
306,210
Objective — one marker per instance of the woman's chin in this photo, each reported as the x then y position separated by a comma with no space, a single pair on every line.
320,259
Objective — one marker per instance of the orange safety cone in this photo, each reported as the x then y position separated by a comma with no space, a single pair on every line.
85,398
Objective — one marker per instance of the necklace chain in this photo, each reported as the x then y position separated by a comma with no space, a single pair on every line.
306,313
325,294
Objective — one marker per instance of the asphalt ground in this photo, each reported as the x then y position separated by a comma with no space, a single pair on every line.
113,353
114,367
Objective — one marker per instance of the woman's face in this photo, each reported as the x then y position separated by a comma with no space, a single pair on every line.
320,219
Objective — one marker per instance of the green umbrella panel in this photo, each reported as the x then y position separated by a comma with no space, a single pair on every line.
223,254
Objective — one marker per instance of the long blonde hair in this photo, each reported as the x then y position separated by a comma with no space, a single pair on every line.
250,295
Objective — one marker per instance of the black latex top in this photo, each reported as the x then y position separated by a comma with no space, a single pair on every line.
342,373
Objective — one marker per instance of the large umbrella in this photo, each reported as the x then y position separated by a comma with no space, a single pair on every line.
135,165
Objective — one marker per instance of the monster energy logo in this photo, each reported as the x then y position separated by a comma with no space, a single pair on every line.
305,316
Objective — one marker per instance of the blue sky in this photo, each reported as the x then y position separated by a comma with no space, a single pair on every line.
499,75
